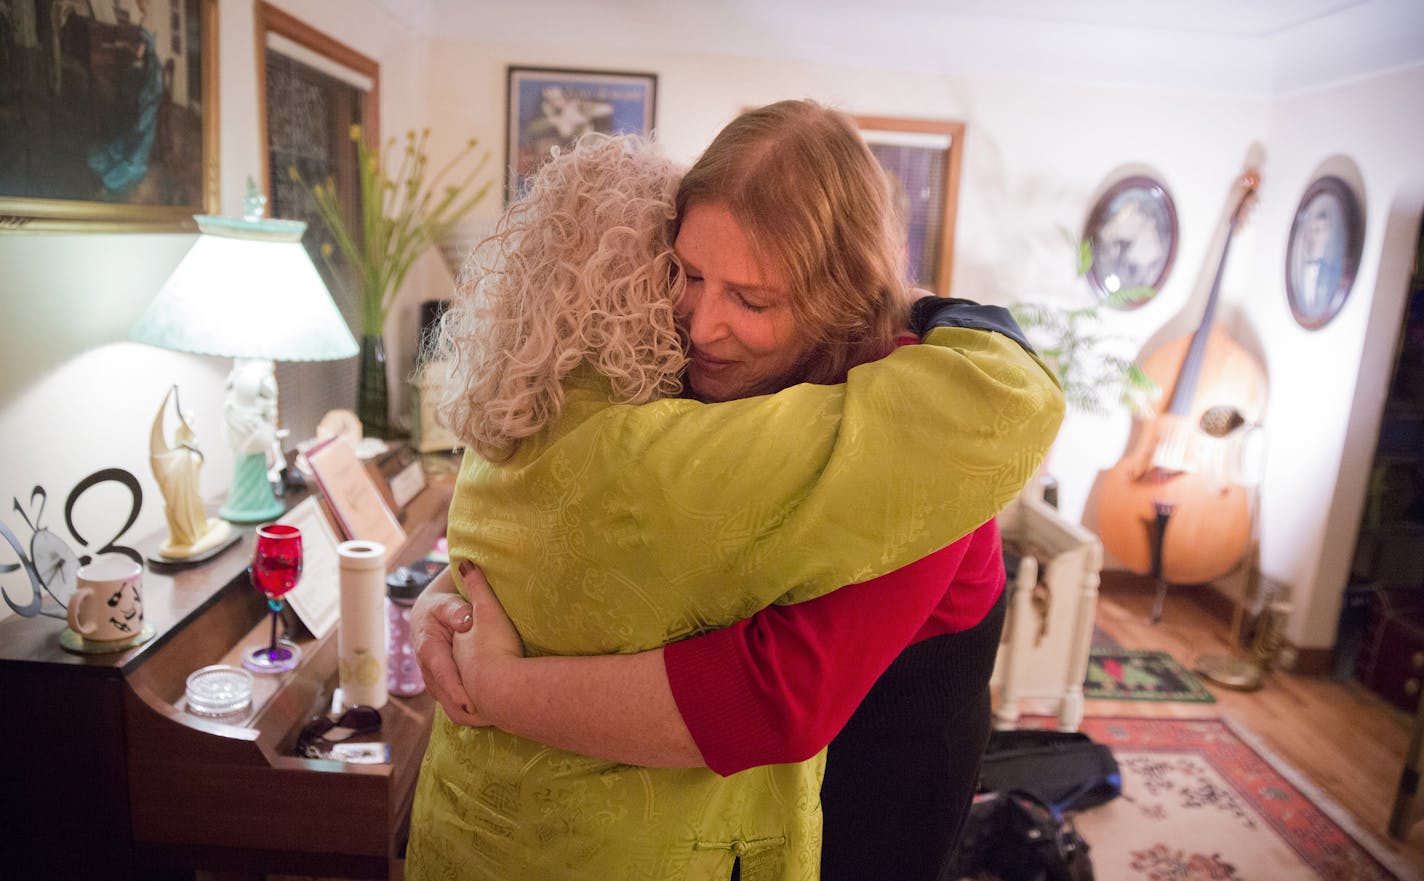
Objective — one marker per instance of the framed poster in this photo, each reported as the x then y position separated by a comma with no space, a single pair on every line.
550,107
108,121
1323,252
1132,231
922,158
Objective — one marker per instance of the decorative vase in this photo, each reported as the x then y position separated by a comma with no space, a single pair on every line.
372,399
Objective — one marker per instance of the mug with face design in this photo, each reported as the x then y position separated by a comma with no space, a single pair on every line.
108,603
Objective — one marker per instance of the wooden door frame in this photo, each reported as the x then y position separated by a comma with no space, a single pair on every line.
270,19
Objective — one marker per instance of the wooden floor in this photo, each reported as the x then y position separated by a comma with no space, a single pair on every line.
1343,738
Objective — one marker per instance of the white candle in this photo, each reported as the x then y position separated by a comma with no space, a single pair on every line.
361,637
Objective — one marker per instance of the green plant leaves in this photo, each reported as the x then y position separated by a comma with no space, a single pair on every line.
1070,340
401,214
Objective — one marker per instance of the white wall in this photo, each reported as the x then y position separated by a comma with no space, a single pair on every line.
1037,154
1328,386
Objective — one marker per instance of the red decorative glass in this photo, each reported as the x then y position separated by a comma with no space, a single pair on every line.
276,569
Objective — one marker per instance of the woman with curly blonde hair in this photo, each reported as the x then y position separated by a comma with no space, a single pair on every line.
608,526
613,308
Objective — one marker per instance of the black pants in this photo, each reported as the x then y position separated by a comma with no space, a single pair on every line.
901,775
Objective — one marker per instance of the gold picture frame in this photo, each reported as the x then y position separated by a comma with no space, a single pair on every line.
922,158
113,126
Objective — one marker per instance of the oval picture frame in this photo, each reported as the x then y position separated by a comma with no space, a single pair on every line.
1323,251
1132,231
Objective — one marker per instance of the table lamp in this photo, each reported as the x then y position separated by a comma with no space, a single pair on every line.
248,290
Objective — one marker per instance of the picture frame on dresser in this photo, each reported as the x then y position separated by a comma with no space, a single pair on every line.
316,599
355,501
399,475
549,107
112,125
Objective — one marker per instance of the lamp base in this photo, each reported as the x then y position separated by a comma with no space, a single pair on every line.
251,499
1237,673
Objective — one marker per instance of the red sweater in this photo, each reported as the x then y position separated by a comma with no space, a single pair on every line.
778,687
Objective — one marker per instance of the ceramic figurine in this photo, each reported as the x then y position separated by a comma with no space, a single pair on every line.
175,466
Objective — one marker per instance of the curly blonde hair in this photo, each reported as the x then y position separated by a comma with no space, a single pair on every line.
580,270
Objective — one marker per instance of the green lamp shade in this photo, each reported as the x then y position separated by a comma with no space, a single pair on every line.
248,290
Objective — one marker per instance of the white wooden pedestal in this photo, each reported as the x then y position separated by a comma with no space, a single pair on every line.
1044,656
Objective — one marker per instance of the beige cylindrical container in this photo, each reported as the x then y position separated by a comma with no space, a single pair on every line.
361,635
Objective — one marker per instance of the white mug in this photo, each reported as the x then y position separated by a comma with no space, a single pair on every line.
108,603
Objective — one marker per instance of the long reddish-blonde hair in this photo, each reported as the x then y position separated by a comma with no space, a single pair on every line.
812,199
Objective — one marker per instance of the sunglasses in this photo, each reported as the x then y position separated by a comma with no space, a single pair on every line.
322,733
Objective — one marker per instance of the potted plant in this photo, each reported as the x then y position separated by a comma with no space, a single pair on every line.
1069,338
404,210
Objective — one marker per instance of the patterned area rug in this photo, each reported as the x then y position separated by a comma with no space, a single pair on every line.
1141,675
1204,801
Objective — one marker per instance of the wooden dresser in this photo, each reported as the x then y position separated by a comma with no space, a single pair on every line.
106,776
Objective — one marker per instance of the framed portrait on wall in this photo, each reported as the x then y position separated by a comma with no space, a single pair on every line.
551,107
1323,251
922,158
1132,231
109,117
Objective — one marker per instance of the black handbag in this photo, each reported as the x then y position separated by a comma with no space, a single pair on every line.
1064,769
1014,836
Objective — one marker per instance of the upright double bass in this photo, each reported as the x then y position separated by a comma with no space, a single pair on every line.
1173,505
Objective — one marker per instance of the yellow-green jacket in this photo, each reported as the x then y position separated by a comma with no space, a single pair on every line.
621,528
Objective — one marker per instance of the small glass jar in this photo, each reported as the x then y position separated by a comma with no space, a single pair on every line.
402,672
219,691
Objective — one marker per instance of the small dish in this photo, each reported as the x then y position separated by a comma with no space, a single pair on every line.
219,690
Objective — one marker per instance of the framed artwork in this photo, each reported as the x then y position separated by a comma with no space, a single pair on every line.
922,159
398,475
550,107
1132,231
1323,251
108,121
355,500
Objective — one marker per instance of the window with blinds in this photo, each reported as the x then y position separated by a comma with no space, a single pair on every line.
308,116
314,90
917,176
921,158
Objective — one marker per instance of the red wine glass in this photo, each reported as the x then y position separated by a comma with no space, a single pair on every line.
276,568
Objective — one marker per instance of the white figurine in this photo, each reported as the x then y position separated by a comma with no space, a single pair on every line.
250,409
175,466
